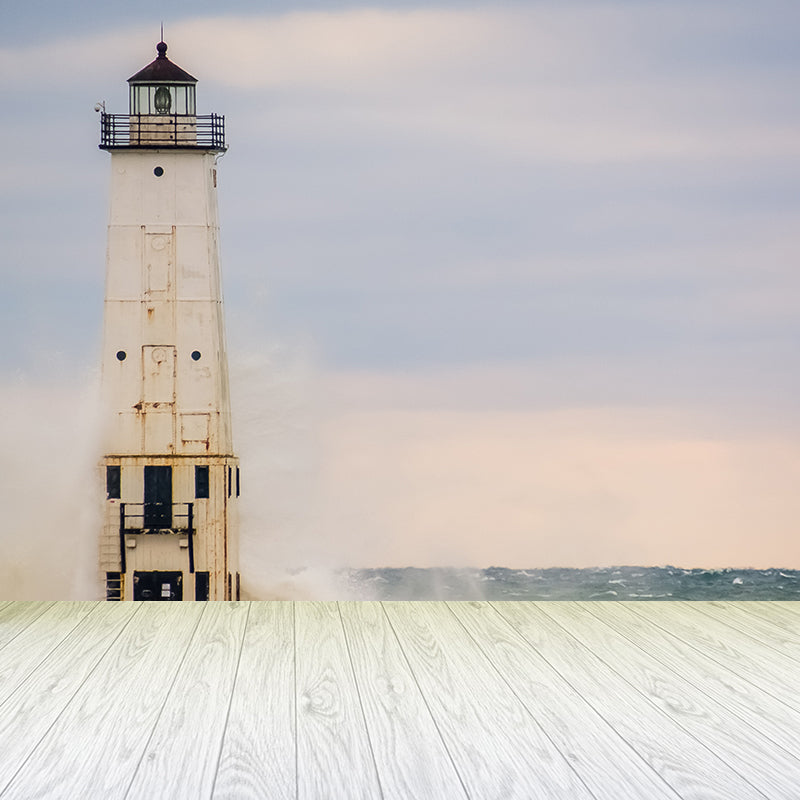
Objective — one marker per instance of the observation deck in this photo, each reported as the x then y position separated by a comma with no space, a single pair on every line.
162,131
155,518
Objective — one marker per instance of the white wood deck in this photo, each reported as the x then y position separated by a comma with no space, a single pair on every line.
400,700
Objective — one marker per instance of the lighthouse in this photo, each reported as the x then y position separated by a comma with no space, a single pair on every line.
170,474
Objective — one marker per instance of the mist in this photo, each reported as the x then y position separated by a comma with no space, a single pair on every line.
369,470
51,490
52,487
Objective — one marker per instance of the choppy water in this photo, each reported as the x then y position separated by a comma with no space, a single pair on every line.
612,583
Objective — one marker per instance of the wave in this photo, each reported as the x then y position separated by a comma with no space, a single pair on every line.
557,583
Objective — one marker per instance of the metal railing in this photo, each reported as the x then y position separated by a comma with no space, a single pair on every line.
156,131
156,518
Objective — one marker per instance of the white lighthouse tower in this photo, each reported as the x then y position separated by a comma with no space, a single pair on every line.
171,476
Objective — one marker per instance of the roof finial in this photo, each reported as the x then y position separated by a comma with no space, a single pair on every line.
161,47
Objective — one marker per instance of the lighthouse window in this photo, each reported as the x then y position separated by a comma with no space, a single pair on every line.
113,482
201,586
201,481
158,172
121,355
196,355
154,99
162,100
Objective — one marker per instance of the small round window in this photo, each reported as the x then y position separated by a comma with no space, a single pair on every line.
196,355
121,355
158,172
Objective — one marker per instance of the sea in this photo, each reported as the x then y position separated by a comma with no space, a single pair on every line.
608,583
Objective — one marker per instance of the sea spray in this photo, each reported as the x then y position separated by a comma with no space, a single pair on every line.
627,583
50,491
285,552
51,497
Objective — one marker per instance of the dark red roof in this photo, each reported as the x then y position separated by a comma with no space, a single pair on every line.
162,70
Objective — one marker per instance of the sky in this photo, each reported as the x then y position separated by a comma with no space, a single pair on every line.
506,284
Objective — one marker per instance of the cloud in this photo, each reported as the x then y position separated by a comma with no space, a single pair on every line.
423,469
498,228
366,470
569,488
581,84
565,176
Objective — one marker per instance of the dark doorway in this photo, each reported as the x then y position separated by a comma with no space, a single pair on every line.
201,586
157,497
158,586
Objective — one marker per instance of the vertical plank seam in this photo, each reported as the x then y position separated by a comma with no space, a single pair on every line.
360,700
424,699
710,655
230,699
521,701
741,628
30,622
791,606
624,680
759,611
70,699
714,702
47,655
654,704
566,680
774,615
294,702
135,771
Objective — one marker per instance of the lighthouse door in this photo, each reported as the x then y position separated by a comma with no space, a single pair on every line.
157,497
158,586
158,397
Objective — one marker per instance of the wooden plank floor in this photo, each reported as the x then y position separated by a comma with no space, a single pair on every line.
594,701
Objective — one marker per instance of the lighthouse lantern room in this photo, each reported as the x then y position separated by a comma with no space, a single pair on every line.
171,476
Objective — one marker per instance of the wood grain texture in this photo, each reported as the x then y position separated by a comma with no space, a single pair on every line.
498,748
770,671
15,617
653,629
610,701
411,758
181,757
111,716
676,691
791,607
777,639
334,754
608,765
27,715
34,642
785,615
683,760
258,751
